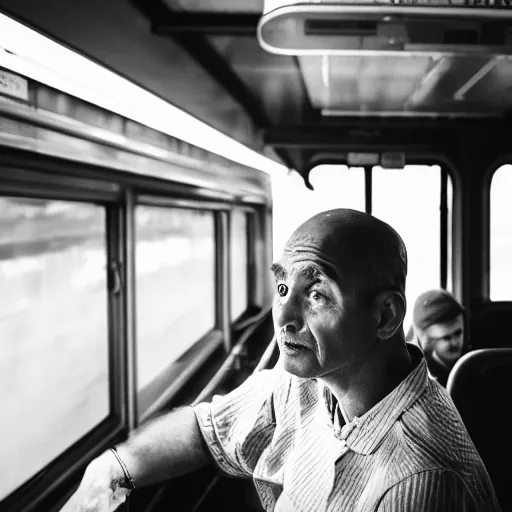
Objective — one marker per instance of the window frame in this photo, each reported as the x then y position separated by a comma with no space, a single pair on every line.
27,174
21,182
253,237
222,334
180,371
250,242
486,228
446,180
33,168
448,276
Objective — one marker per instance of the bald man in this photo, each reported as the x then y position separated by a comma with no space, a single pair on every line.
347,421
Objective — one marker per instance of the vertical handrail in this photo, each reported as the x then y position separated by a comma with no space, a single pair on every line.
130,308
224,241
443,219
368,190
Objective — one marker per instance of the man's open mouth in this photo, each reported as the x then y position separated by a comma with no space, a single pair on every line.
294,346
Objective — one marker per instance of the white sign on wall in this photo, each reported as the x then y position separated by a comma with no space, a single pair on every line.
13,85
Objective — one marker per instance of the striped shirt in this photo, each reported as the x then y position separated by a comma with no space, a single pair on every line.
410,452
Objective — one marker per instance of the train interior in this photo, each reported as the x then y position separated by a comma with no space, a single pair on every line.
156,154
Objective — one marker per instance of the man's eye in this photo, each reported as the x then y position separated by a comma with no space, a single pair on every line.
314,295
282,289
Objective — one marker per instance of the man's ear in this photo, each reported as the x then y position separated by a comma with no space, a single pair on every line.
390,308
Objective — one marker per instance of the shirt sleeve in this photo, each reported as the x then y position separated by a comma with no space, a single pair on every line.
237,427
439,490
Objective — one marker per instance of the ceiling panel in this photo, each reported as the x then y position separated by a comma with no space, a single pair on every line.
495,87
275,81
234,6
412,83
362,83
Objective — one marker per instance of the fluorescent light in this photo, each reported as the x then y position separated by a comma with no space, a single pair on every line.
409,113
441,65
33,55
484,70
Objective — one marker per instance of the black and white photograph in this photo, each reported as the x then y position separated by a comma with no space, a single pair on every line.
255,255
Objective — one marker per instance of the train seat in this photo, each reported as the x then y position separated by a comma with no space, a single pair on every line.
480,385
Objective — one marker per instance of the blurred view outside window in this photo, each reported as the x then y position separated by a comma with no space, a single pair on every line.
175,289
239,261
54,379
336,186
408,200
501,235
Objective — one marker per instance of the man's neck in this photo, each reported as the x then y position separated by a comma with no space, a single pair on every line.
362,387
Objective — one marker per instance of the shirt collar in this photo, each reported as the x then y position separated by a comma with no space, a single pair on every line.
370,429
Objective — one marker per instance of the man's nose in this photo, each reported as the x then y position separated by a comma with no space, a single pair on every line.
287,314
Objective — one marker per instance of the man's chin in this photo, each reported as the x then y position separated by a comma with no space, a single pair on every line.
297,368
452,358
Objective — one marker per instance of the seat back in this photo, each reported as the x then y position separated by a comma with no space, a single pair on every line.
490,325
480,385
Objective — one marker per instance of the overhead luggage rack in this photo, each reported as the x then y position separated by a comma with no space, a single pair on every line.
340,28
385,59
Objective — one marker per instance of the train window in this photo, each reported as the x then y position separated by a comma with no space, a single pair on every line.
239,263
175,289
54,372
335,186
501,235
409,200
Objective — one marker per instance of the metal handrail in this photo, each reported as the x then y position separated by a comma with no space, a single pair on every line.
244,324
267,355
227,365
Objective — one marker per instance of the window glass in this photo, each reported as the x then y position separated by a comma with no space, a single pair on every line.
409,200
54,378
335,186
175,268
239,262
501,235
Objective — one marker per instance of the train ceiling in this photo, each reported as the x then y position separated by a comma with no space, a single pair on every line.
291,103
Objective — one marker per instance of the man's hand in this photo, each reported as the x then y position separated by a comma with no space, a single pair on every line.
101,488
164,448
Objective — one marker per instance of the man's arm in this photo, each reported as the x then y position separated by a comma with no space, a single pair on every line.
437,490
167,447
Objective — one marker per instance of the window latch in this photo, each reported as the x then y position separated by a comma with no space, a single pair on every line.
115,278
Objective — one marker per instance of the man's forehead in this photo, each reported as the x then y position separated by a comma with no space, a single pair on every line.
290,266
313,245
339,241
307,247
305,264
301,240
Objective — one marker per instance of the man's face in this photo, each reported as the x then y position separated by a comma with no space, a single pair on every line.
445,339
322,326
